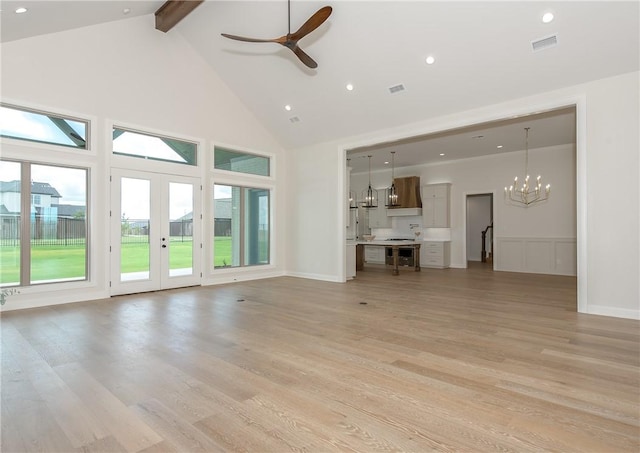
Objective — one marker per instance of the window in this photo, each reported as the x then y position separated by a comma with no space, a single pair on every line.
56,226
23,124
225,159
146,146
241,226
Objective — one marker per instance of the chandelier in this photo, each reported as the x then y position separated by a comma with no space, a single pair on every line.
526,194
392,194
370,196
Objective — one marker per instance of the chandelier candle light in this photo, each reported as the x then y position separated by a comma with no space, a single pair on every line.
370,196
392,194
526,194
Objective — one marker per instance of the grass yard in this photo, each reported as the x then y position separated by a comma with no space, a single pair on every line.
51,262
222,251
59,262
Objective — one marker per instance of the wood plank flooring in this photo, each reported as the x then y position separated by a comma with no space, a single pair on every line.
441,360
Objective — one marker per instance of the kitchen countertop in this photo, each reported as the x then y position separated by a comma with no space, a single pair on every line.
388,243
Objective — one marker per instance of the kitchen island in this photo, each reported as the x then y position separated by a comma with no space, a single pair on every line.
395,247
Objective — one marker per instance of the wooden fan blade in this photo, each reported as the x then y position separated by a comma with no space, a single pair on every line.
306,59
242,38
312,23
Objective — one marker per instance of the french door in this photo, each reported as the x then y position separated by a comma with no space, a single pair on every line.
155,231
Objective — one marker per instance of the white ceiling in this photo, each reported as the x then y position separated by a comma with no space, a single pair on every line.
482,49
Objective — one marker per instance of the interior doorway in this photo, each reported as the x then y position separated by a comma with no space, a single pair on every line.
479,229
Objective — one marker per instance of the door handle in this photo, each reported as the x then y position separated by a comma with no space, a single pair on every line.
164,246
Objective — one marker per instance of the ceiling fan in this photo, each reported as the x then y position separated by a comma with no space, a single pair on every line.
290,40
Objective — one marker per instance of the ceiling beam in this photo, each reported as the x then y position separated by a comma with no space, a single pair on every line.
173,11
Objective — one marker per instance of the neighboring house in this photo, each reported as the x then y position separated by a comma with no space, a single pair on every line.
52,220
222,216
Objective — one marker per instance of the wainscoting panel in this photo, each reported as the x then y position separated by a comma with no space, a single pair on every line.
536,255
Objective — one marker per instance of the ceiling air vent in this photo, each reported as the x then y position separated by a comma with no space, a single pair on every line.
396,88
544,43
294,119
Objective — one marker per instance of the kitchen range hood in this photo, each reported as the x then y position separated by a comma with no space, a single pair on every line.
409,201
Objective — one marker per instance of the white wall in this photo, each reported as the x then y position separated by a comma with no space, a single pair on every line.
608,166
128,72
317,214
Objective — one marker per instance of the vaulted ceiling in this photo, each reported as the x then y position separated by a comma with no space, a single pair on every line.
483,55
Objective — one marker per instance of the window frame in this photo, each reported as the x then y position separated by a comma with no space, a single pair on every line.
235,176
242,226
153,134
25,229
89,128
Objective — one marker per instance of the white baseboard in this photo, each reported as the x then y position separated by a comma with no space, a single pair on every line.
322,277
235,277
24,301
614,312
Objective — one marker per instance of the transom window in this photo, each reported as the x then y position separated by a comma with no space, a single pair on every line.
154,147
226,159
42,127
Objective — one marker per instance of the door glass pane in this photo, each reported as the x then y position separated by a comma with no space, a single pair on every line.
58,224
226,212
256,226
9,223
135,202
180,229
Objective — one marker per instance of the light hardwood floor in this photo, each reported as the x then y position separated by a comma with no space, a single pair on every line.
441,360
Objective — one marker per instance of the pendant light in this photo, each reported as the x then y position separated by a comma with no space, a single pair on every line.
370,196
526,195
392,194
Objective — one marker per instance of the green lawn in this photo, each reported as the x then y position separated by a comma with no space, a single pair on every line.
53,262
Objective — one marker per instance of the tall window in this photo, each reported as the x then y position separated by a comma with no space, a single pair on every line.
45,240
241,226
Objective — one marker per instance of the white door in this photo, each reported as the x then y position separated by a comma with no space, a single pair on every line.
155,231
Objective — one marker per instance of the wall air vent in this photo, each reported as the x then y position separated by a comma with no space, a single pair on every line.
544,43
294,119
396,88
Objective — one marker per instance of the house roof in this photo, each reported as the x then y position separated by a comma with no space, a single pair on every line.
38,188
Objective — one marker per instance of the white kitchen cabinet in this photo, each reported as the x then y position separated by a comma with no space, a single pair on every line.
435,205
378,218
435,254
374,254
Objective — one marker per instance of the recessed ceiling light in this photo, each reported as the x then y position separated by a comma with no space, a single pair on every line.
430,60
442,154
349,87
499,146
21,10
126,11
287,108
386,162
547,17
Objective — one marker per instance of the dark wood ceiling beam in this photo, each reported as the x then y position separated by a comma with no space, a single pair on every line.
173,11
